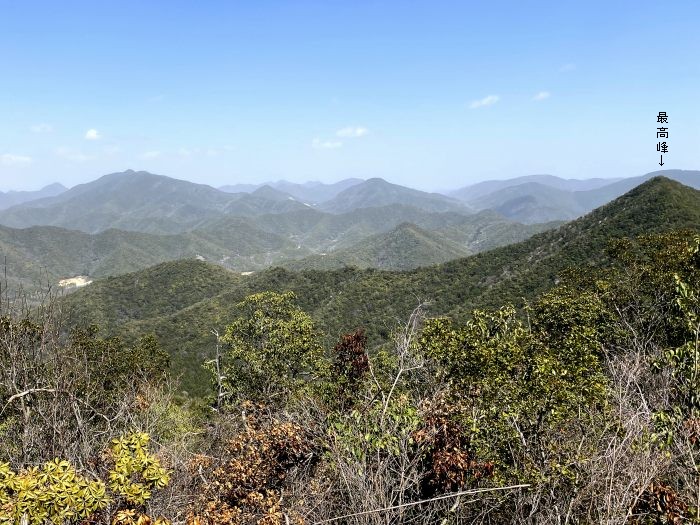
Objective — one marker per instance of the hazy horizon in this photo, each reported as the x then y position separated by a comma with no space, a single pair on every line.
264,182
430,95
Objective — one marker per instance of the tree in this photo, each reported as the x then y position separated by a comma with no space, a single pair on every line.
273,349
58,391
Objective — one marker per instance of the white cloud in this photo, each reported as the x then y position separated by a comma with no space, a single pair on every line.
567,67
488,100
326,144
352,132
43,127
72,155
92,134
150,155
8,159
542,95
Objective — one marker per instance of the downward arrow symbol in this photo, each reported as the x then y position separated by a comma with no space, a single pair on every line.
661,163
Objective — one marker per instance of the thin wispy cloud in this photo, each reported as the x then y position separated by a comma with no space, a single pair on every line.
149,155
326,144
9,159
72,155
488,100
567,67
542,95
92,134
352,132
42,127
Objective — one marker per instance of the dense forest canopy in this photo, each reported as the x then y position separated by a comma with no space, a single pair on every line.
182,302
582,403
555,382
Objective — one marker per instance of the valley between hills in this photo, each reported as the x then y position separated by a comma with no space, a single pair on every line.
125,222
385,319
177,258
183,301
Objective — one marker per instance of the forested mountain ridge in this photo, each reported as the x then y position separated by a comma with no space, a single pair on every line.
540,198
343,299
253,231
141,201
378,192
405,247
129,200
42,255
408,246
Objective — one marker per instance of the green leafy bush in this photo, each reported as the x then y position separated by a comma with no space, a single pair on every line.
56,493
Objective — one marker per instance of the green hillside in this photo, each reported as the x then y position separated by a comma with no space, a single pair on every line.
324,232
42,255
405,247
408,246
488,229
343,299
161,290
378,192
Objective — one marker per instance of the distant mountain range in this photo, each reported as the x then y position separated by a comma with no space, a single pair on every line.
378,192
13,198
127,221
144,202
540,198
344,299
309,192
474,191
140,201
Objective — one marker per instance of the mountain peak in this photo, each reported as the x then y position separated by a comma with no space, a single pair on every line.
268,192
56,187
126,175
376,181
376,192
655,185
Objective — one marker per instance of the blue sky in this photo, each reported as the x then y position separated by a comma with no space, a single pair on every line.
429,94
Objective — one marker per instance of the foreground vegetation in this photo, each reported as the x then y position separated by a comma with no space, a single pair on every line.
579,407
